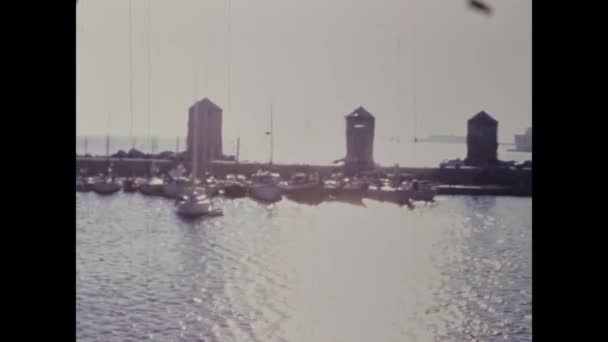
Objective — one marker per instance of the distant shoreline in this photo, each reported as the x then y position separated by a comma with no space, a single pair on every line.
425,140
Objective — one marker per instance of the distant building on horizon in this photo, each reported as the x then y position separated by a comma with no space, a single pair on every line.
360,125
482,140
523,142
209,130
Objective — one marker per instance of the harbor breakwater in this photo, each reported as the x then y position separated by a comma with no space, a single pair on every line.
519,181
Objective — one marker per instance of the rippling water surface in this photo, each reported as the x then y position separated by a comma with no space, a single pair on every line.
458,270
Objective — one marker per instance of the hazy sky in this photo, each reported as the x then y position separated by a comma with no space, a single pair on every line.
316,60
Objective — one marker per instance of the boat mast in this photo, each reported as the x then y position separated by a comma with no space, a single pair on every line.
131,73
238,146
195,130
271,135
195,147
108,151
413,69
86,145
133,139
149,79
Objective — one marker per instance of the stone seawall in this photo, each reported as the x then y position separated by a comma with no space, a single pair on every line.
521,180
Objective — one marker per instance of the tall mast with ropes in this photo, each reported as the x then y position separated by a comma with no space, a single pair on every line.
131,73
413,68
228,53
271,132
149,60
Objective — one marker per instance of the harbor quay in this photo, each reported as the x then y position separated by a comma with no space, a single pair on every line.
457,181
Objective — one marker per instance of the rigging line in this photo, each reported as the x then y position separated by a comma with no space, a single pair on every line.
229,52
148,97
195,63
413,68
131,71
398,81
149,61
271,132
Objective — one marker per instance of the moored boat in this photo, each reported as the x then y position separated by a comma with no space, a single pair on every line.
264,187
193,204
177,184
106,185
416,191
303,188
331,187
152,186
130,185
352,191
234,186
81,185
212,186
381,190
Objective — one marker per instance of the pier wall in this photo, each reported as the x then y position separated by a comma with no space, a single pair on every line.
521,180
141,167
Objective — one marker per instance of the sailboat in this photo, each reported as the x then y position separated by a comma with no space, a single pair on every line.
107,184
264,184
177,184
84,183
153,185
131,183
194,203
304,188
